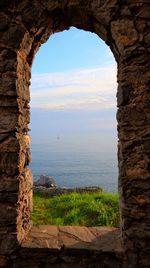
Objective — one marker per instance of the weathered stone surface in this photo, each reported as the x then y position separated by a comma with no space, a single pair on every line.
8,243
8,119
9,183
8,85
24,204
14,36
44,237
8,212
8,101
73,238
4,22
8,60
9,144
65,246
10,197
124,33
9,164
124,26
3,261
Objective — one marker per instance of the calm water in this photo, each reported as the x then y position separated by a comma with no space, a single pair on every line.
74,163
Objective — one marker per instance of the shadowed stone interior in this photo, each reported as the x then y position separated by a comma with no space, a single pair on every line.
125,27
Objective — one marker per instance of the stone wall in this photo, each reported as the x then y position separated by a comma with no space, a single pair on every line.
125,27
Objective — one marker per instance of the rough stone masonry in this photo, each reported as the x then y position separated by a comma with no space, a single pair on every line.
125,27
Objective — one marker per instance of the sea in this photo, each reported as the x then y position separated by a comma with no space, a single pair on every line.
76,161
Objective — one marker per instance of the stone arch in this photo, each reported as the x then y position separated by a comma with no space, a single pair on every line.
25,25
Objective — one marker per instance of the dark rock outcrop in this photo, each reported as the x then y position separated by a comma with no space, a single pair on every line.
45,181
53,191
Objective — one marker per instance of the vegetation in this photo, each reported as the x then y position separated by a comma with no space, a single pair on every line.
88,209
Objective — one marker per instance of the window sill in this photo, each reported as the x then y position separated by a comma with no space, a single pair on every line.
68,246
75,239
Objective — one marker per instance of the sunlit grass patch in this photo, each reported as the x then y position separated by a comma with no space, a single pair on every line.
83,209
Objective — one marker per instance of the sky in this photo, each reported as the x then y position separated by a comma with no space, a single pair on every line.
73,87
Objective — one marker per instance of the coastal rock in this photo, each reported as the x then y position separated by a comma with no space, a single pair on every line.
45,181
53,191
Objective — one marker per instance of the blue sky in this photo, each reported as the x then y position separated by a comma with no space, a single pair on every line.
73,85
70,50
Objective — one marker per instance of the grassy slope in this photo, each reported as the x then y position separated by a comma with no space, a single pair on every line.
94,209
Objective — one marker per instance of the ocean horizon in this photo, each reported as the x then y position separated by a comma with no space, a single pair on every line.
75,162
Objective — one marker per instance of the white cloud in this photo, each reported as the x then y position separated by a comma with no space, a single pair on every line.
88,89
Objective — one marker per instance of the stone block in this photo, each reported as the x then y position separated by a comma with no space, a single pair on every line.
8,244
8,213
124,33
13,36
8,60
144,11
123,94
9,183
8,85
4,22
9,144
8,101
8,229
43,237
3,261
8,119
26,182
10,197
9,164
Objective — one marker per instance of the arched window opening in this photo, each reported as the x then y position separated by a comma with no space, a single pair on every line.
25,25
73,107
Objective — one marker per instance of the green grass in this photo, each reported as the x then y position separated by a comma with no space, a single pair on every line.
88,209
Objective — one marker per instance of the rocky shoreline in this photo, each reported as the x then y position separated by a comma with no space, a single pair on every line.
50,192
47,186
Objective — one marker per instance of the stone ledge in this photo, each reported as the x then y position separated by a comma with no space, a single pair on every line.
68,246
75,239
